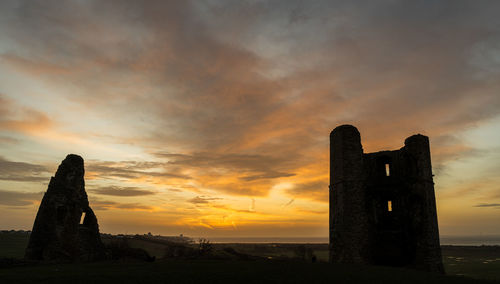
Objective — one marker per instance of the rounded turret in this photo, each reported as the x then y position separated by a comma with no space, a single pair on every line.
346,154
348,217
418,147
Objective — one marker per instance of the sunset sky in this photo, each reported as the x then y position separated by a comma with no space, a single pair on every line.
212,118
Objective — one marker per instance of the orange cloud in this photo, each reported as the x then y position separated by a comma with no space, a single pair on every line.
22,119
234,100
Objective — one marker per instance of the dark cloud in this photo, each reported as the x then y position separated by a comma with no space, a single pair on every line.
493,205
268,175
265,166
20,171
205,159
315,190
130,170
212,202
176,51
121,191
228,208
99,204
203,199
16,198
289,202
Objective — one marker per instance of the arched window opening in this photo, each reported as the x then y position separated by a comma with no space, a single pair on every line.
389,205
387,169
82,218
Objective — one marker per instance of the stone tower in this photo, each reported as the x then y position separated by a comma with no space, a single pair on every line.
382,205
65,227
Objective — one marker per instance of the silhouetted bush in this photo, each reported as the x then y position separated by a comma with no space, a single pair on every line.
174,250
204,247
120,250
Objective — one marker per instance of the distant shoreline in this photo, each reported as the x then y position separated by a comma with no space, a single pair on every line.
478,240
445,240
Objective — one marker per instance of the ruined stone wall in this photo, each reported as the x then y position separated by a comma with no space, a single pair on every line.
391,241
382,217
57,234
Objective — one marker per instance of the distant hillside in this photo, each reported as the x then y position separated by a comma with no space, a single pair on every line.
243,263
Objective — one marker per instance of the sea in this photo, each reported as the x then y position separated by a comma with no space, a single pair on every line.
479,240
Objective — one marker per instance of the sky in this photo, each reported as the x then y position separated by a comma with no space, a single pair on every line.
212,118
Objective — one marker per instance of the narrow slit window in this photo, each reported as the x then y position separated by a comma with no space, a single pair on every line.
82,218
389,206
387,170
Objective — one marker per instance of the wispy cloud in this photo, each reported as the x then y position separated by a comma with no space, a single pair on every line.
203,199
100,204
289,202
21,171
232,173
308,211
129,170
15,118
315,190
493,205
121,191
259,166
16,198
228,208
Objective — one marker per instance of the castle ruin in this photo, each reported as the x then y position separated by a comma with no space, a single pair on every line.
382,205
65,227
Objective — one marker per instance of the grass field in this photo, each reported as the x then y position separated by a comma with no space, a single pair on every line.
482,262
276,263
13,244
217,271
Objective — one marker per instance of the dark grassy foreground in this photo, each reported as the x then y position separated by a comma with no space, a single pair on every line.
241,263
13,244
218,271
481,262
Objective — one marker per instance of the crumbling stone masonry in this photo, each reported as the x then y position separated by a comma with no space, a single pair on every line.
382,205
65,227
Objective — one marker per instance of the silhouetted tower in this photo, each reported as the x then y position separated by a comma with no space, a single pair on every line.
382,205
